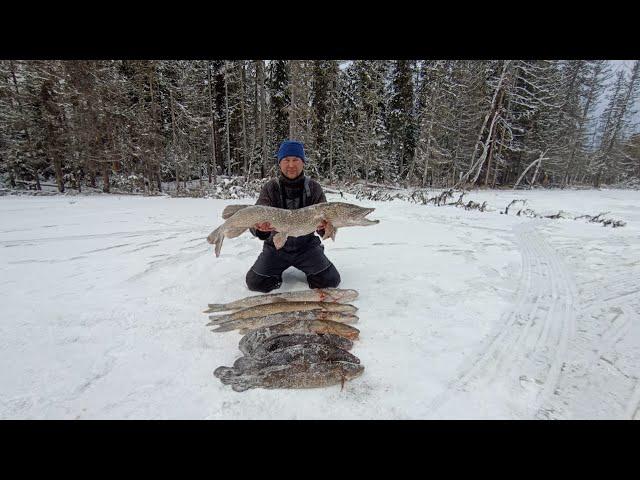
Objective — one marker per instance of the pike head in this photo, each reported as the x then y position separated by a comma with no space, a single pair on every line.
347,215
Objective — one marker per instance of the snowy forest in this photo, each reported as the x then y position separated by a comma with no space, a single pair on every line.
139,124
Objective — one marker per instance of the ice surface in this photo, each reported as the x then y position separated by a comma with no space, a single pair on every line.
463,314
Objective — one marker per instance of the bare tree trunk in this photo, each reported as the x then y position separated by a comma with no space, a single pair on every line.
155,163
244,124
493,110
24,121
293,107
106,172
535,174
495,170
92,174
486,177
57,167
226,102
537,160
621,113
211,165
256,123
331,152
263,117
12,178
583,119
174,149
428,153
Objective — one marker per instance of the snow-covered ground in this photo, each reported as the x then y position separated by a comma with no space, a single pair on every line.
463,314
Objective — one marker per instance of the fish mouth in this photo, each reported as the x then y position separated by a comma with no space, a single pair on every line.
361,220
367,211
367,220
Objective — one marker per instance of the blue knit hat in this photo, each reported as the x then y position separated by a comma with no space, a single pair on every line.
291,149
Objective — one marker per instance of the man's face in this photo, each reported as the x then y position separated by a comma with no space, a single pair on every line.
291,167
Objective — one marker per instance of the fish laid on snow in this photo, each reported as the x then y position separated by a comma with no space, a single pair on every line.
277,342
283,307
248,324
251,340
335,295
295,375
299,353
291,223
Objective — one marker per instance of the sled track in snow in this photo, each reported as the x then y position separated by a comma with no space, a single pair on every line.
531,344
633,407
66,238
613,295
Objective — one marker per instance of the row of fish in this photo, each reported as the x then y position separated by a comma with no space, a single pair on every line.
291,340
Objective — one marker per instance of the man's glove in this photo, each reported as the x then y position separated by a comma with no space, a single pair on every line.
263,230
321,228
262,235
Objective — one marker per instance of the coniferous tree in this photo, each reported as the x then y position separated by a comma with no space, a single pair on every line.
279,101
401,116
615,122
323,85
132,124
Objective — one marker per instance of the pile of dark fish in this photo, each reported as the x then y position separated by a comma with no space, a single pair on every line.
295,339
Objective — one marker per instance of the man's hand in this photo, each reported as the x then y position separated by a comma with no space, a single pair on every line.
322,225
264,227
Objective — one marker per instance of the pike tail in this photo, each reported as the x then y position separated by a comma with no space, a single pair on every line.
218,319
224,372
216,238
226,327
245,363
230,210
241,386
216,307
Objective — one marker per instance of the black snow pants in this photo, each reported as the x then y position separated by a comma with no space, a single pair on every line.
304,253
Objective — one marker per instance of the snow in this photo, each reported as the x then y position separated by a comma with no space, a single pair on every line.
463,314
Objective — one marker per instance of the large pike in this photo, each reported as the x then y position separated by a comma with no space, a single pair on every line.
248,324
334,295
283,307
291,223
250,342
295,375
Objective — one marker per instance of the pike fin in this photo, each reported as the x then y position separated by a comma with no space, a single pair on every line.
230,210
241,387
234,232
330,231
279,239
226,327
244,363
216,238
218,319
224,372
215,307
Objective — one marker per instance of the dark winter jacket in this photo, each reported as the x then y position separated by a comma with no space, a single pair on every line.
282,192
